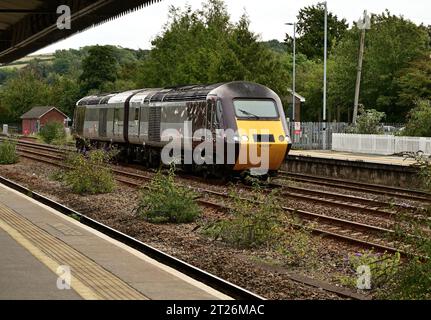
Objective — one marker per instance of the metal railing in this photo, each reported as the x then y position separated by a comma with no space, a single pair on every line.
318,135
315,135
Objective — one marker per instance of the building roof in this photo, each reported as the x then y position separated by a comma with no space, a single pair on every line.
38,112
299,97
29,25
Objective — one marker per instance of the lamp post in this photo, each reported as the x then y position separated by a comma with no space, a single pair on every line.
325,58
294,69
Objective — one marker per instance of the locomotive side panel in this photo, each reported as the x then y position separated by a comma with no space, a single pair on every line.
91,123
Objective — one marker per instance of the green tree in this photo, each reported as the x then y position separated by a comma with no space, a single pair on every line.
98,68
419,120
67,62
368,121
309,77
6,74
391,45
276,46
204,47
65,92
414,82
21,93
310,30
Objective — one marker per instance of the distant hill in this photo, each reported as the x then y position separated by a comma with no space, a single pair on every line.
21,63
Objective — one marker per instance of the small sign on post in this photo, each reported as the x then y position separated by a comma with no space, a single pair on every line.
297,128
5,129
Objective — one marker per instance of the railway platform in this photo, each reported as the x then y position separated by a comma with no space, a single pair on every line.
384,170
348,156
47,255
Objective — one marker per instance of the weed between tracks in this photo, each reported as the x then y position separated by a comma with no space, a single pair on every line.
164,201
412,280
383,267
262,223
8,153
88,174
392,277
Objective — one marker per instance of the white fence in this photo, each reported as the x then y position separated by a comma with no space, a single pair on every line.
379,144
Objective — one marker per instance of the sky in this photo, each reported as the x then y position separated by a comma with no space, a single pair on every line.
137,29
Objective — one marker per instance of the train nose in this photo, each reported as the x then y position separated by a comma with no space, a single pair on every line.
263,144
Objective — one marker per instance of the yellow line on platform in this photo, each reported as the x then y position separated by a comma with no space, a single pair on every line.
84,291
90,279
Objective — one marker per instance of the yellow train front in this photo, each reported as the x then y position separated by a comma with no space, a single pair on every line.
236,127
255,113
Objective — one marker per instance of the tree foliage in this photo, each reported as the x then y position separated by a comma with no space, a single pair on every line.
392,44
310,30
419,120
368,121
98,68
21,93
203,46
414,82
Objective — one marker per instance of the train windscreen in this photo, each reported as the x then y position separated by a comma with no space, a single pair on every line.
255,109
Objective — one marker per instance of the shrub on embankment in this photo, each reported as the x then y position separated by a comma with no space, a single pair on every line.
89,174
164,201
263,223
53,133
8,153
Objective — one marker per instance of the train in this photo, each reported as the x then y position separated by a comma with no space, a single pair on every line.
218,122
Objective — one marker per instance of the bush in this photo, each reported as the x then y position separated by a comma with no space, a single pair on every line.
164,201
383,268
251,224
263,223
368,122
53,132
423,163
8,153
419,120
90,174
412,280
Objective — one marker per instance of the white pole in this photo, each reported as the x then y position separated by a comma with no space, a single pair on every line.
294,72
325,60
359,73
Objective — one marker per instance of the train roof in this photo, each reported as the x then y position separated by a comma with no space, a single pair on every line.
168,94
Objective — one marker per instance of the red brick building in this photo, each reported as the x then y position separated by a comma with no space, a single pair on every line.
36,118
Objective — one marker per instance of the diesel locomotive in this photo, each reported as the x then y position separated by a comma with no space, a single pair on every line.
141,123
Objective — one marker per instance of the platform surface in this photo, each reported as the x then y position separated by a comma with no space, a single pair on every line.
38,246
371,158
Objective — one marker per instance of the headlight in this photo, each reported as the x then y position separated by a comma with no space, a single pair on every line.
244,138
284,138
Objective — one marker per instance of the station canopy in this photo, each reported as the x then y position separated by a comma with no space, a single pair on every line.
29,25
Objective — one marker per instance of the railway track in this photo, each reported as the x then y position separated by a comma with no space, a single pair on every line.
361,204
375,189
361,234
135,180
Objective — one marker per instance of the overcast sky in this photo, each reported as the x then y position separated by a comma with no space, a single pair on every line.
137,29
